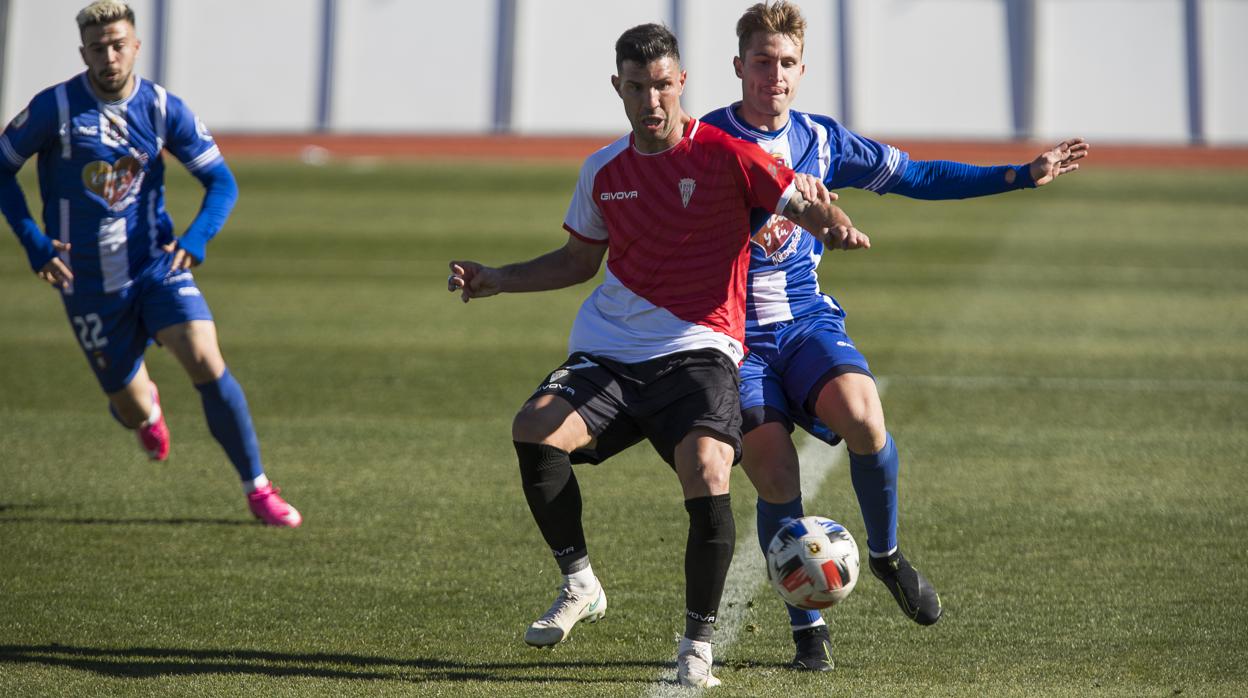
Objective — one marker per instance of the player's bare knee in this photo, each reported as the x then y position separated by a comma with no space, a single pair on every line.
866,433
715,475
542,423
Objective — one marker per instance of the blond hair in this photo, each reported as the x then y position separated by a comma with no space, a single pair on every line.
780,17
102,12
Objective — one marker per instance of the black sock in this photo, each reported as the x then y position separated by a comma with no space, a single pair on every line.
555,500
712,537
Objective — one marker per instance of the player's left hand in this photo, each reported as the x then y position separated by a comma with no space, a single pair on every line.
182,260
1051,164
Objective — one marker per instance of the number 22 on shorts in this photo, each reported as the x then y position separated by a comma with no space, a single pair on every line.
89,327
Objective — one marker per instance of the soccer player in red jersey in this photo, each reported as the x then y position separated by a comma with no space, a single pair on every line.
654,349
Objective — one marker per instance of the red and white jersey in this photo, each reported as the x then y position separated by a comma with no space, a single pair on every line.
677,224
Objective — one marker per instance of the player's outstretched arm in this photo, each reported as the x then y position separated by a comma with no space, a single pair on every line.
826,221
574,263
1061,159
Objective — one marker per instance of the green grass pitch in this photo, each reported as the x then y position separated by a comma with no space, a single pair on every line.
1067,380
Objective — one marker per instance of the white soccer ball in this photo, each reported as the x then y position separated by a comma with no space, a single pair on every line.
813,563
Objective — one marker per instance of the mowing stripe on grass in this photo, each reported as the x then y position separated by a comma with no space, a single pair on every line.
1145,385
748,575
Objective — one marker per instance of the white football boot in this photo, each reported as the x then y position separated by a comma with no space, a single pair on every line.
569,609
693,664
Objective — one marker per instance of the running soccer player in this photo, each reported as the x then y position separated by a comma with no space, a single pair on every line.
802,368
109,246
655,347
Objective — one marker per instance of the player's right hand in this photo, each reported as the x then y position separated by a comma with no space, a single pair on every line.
55,271
471,280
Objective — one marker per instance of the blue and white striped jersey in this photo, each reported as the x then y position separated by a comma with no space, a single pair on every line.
101,173
784,258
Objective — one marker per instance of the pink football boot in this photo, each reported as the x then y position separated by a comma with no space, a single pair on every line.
154,434
270,508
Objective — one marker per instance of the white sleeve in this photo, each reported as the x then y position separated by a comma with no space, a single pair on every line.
584,218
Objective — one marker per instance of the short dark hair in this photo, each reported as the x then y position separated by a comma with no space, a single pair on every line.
645,43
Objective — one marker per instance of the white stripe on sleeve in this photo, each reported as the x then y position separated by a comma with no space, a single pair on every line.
206,158
10,155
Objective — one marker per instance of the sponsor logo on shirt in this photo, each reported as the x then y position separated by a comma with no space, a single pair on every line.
615,195
115,185
20,120
778,238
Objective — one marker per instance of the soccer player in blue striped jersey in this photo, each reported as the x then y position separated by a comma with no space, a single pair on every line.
109,245
802,368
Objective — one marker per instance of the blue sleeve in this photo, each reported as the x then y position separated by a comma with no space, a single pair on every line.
856,161
39,250
26,135
220,194
189,139
942,179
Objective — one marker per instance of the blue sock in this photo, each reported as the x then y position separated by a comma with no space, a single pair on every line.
229,420
771,518
875,483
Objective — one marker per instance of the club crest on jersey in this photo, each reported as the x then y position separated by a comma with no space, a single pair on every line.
202,130
115,185
686,190
113,130
778,238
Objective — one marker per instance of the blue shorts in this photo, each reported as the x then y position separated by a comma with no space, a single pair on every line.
114,329
788,363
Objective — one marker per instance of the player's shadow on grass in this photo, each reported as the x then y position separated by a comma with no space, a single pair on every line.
151,662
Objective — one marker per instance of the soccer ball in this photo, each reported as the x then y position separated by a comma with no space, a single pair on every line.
813,563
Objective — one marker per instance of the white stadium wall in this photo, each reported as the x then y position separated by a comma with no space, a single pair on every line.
1154,71
924,68
1108,79
246,64
1224,55
564,61
397,69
